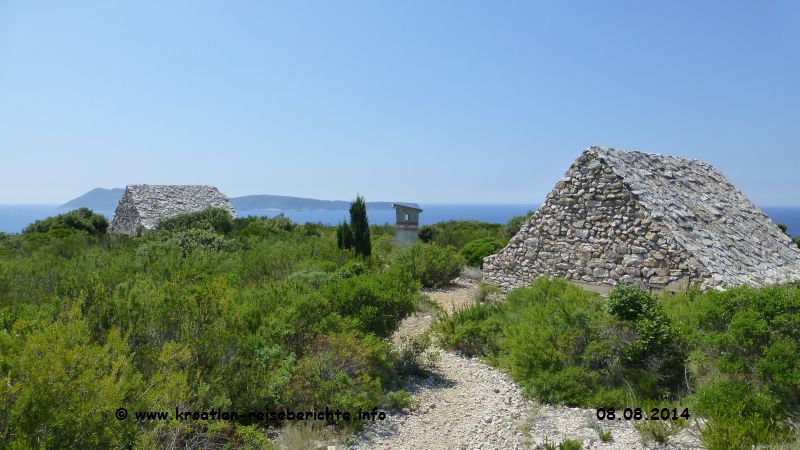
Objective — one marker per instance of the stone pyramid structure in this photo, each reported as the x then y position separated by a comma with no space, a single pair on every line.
142,206
620,217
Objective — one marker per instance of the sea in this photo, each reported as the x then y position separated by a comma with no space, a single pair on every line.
13,218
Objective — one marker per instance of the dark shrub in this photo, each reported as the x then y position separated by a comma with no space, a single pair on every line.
426,233
629,303
475,251
83,219
359,227
344,236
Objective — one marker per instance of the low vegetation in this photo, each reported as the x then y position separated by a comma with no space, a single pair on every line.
257,314
204,312
457,233
474,251
731,357
430,264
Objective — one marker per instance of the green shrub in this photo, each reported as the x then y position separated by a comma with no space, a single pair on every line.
350,269
570,444
577,354
57,364
386,229
474,251
214,219
266,316
515,223
315,279
739,415
430,264
411,357
312,229
384,248
471,331
341,372
192,240
83,219
266,226
377,302
630,303
457,233
485,291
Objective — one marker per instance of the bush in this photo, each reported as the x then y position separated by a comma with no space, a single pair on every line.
430,264
412,355
577,353
630,303
266,316
263,227
472,331
377,302
426,234
457,233
83,219
340,371
515,223
476,250
55,365
213,219
570,444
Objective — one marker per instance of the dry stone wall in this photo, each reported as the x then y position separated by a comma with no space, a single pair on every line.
142,206
592,230
633,218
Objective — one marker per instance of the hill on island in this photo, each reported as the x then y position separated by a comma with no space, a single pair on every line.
97,198
107,199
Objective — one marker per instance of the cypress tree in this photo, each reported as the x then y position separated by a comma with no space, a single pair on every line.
359,226
344,236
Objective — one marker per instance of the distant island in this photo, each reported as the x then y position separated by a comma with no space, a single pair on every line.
97,198
107,199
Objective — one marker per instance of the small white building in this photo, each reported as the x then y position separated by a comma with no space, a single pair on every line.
407,223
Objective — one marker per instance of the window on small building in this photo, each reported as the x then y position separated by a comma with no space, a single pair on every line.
405,217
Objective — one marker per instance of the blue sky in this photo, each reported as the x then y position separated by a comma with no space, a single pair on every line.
445,101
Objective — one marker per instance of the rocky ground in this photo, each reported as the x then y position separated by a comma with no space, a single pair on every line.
467,404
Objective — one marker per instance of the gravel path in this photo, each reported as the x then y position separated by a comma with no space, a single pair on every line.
467,404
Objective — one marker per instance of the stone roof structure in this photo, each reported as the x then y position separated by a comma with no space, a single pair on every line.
620,217
142,206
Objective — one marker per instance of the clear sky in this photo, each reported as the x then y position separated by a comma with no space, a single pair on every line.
426,101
